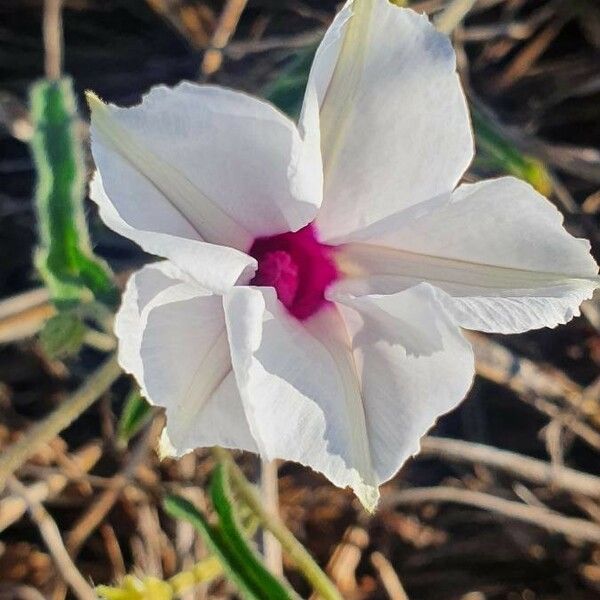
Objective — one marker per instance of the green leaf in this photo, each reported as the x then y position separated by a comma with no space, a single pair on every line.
498,152
223,505
63,335
287,90
136,413
64,256
225,540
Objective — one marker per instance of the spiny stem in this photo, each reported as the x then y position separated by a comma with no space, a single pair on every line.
295,550
46,430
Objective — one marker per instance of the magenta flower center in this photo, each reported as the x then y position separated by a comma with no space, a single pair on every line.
298,266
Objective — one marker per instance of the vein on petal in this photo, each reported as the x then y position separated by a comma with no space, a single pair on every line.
329,329
338,100
358,260
219,367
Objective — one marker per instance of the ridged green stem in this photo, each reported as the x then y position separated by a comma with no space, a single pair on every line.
294,549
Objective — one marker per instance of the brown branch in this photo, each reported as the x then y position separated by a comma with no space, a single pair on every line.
533,383
44,431
531,469
23,315
226,26
566,419
269,485
52,30
345,559
92,518
542,517
498,364
51,535
13,507
389,578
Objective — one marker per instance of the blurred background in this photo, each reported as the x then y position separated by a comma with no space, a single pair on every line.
500,526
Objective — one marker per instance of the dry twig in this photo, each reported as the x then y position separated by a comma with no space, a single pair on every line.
189,20
536,384
452,16
99,509
534,470
51,535
345,559
228,22
269,484
13,507
581,529
44,431
389,578
52,28
23,315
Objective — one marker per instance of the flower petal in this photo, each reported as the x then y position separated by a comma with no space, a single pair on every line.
497,250
177,350
301,396
209,164
414,365
215,267
394,123
142,287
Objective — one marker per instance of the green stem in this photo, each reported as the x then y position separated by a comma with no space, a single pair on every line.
295,550
64,415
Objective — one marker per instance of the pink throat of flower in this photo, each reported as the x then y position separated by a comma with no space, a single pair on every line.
298,266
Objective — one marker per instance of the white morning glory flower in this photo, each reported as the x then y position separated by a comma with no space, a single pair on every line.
317,276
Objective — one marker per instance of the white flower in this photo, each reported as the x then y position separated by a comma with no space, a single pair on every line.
317,276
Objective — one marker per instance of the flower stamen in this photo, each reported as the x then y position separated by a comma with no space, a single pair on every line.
298,266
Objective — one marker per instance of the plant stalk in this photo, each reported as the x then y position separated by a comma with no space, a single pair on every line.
296,551
270,494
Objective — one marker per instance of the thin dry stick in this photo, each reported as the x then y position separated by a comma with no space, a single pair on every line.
452,17
530,380
498,364
42,433
52,30
269,485
296,551
566,419
10,591
240,49
389,578
113,551
522,63
228,21
10,307
186,19
535,515
533,383
99,509
12,508
537,471
24,315
51,536
345,559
